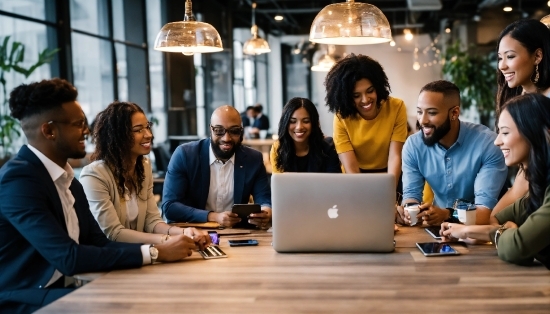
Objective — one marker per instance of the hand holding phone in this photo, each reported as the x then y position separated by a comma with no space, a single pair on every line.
434,232
247,242
244,211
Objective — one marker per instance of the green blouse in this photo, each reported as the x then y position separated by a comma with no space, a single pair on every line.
532,237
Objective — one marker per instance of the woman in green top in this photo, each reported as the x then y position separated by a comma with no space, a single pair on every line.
521,231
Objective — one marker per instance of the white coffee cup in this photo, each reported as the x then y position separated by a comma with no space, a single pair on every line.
465,212
413,210
467,216
263,134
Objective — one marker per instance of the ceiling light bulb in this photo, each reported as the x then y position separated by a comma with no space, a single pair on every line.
350,23
278,18
255,45
188,36
447,30
392,43
507,8
416,66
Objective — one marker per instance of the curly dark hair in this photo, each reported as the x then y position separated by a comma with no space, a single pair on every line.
341,79
113,138
39,97
531,113
531,34
286,152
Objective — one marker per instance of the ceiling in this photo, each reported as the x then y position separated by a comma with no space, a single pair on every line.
299,14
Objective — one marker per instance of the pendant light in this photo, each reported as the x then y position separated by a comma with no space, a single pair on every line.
255,45
350,23
188,36
322,60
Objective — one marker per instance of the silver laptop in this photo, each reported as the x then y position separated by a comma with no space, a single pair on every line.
327,212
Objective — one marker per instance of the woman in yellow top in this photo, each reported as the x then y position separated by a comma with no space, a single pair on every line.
370,127
301,146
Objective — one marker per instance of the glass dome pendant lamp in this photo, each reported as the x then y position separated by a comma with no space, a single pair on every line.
350,23
255,45
188,36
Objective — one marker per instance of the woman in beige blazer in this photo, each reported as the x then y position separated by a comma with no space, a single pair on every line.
119,181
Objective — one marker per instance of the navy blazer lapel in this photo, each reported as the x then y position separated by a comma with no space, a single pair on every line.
204,172
239,173
41,171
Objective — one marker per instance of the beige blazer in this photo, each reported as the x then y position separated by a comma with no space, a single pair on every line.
109,208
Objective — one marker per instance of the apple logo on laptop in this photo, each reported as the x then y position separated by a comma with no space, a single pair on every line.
333,212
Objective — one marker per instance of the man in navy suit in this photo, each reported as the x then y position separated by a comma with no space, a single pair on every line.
205,178
46,226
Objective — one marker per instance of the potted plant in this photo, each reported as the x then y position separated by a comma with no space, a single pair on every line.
11,58
475,76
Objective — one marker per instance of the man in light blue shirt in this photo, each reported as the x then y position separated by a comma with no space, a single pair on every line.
458,159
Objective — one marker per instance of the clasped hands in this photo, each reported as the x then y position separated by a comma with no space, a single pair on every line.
429,213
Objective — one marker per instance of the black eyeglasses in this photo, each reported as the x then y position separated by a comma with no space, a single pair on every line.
140,128
81,124
233,131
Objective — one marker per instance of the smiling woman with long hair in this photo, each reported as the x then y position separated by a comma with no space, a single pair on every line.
520,231
523,49
301,146
119,181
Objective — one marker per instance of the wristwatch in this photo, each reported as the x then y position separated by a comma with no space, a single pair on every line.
154,253
499,232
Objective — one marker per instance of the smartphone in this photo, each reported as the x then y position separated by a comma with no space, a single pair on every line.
247,242
436,249
215,237
211,252
434,232
244,211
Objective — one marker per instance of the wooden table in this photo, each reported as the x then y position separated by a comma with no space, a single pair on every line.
260,280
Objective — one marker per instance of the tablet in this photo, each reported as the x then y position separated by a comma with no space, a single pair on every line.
436,249
434,231
244,211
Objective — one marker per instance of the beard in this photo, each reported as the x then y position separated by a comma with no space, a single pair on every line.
438,133
224,154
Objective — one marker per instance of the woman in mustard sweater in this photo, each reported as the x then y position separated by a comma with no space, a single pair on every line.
370,127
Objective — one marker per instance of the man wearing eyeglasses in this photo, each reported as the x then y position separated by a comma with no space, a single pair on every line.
205,178
458,159
46,227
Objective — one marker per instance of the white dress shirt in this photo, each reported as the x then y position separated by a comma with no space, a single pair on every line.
220,192
62,178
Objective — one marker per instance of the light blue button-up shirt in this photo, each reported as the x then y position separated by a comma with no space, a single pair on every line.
472,168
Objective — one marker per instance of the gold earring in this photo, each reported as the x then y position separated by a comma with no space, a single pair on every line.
536,79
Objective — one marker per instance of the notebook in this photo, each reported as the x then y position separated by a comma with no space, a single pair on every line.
327,212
